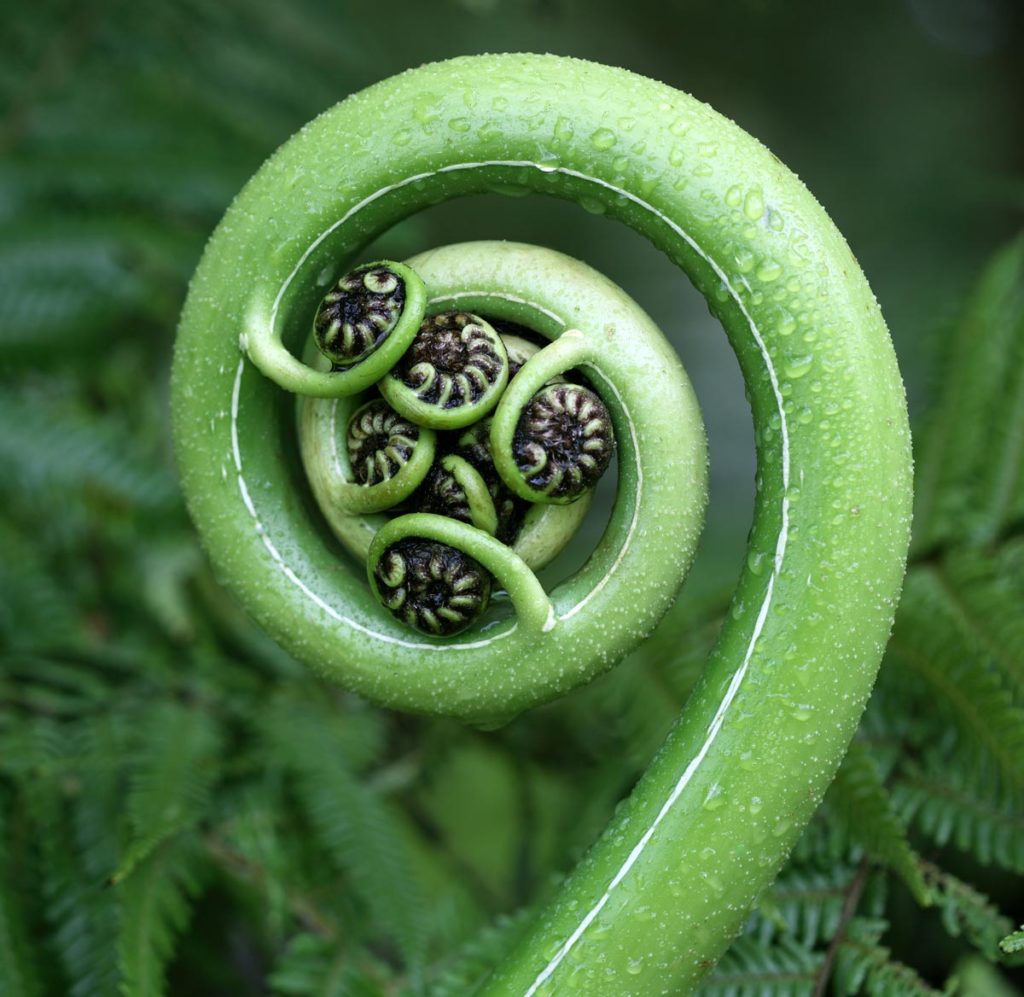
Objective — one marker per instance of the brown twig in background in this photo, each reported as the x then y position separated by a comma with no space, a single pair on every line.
853,895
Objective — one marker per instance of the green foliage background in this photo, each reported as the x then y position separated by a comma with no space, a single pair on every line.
183,808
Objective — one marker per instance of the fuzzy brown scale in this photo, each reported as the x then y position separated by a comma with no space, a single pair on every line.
432,587
358,313
564,440
474,445
379,442
451,362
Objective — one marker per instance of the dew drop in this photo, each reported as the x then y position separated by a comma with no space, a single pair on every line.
603,138
564,129
799,366
753,205
423,112
744,260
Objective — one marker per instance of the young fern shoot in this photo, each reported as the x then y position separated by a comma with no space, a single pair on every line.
659,896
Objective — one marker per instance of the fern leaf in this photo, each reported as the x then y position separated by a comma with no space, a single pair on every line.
78,842
948,812
805,904
173,777
356,731
251,846
966,911
364,838
156,903
62,287
861,800
50,449
983,592
633,707
864,966
36,611
753,969
477,958
18,972
986,726
1014,942
313,967
969,466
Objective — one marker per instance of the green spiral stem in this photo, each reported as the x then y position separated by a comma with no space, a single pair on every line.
456,488
668,884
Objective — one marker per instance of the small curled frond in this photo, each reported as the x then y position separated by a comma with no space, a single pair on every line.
431,587
360,459
564,441
356,315
361,327
380,442
396,464
452,374
518,347
455,488
474,445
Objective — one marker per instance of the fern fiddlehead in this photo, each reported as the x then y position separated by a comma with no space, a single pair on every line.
658,897
452,374
363,326
388,457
